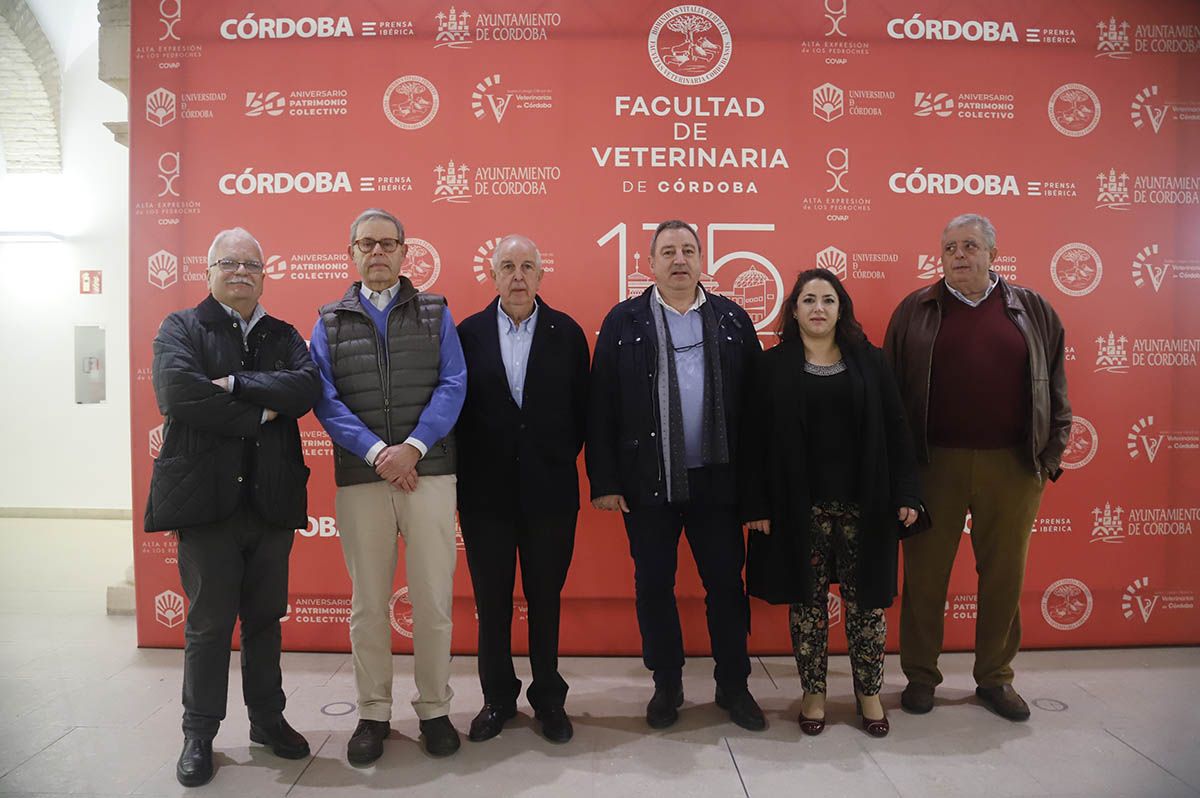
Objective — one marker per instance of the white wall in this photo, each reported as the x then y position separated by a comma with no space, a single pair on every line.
56,453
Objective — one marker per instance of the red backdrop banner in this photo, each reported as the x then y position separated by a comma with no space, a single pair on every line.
838,133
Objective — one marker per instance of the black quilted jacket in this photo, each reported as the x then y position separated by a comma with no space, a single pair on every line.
216,450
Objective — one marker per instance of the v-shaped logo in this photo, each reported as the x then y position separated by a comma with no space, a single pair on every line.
1151,445
1156,275
1146,606
1156,115
500,105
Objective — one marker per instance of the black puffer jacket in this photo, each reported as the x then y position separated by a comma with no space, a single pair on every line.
216,451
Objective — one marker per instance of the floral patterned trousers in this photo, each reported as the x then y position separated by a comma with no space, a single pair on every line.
835,531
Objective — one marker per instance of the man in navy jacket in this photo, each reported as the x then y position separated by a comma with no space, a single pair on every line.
669,374
519,435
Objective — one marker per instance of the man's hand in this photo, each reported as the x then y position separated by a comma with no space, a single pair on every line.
271,415
222,383
762,525
398,465
613,501
907,516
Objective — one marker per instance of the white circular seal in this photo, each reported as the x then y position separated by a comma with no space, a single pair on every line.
401,612
410,102
1082,444
1074,110
1076,269
1067,604
690,45
422,264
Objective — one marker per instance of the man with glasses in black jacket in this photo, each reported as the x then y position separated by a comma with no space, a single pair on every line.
231,382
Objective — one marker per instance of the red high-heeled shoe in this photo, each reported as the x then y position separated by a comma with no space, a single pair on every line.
811,726
875,728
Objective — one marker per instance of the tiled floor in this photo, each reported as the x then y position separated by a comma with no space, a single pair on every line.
83,711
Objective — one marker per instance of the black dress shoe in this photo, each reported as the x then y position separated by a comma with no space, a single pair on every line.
742,708
195,766
490,720
663,709
556,726
917,698
441,738
284,741
366,744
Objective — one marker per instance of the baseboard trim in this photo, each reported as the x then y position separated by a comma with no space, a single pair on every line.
85,513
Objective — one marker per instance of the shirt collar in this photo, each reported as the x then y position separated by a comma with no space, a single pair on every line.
993,281
509,326
254,317
386,293
701,298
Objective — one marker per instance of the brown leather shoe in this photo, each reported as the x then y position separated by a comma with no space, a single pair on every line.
917,698
1004,701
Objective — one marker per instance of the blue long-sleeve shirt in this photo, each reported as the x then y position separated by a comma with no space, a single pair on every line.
436,420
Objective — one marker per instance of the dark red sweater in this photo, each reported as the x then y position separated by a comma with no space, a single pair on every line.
979,393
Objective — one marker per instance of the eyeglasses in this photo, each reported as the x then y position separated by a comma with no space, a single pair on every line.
231,265
367,245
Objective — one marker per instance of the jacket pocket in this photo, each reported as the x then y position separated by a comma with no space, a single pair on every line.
281,492
184,492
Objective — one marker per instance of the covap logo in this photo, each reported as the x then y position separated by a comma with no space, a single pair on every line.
1082,444
1067,604
410,102
160,107
168,609
829,102
401,612
1076,269
690,45
422,264
1138,595
168,173
1074,110
163,269
1138,441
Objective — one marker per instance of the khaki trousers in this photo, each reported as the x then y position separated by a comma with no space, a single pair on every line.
1002,493
369,518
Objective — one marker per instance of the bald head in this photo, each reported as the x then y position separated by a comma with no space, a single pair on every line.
517,270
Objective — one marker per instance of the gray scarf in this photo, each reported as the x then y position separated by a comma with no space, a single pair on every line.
715,440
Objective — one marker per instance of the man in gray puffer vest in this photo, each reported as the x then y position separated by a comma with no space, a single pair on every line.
393,382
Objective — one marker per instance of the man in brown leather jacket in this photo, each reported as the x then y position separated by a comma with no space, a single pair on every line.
980,364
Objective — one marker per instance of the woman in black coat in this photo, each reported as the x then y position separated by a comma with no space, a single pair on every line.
830,485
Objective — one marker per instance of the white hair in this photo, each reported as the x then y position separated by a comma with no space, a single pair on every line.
233,232
985,226
514,237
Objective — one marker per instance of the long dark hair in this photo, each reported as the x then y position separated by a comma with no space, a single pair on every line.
847,333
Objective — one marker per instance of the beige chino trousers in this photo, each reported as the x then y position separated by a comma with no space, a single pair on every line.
370,517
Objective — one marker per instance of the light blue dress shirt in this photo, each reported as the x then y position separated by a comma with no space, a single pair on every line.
515,342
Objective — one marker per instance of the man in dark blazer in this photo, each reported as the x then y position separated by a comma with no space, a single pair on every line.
231,382
519,435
